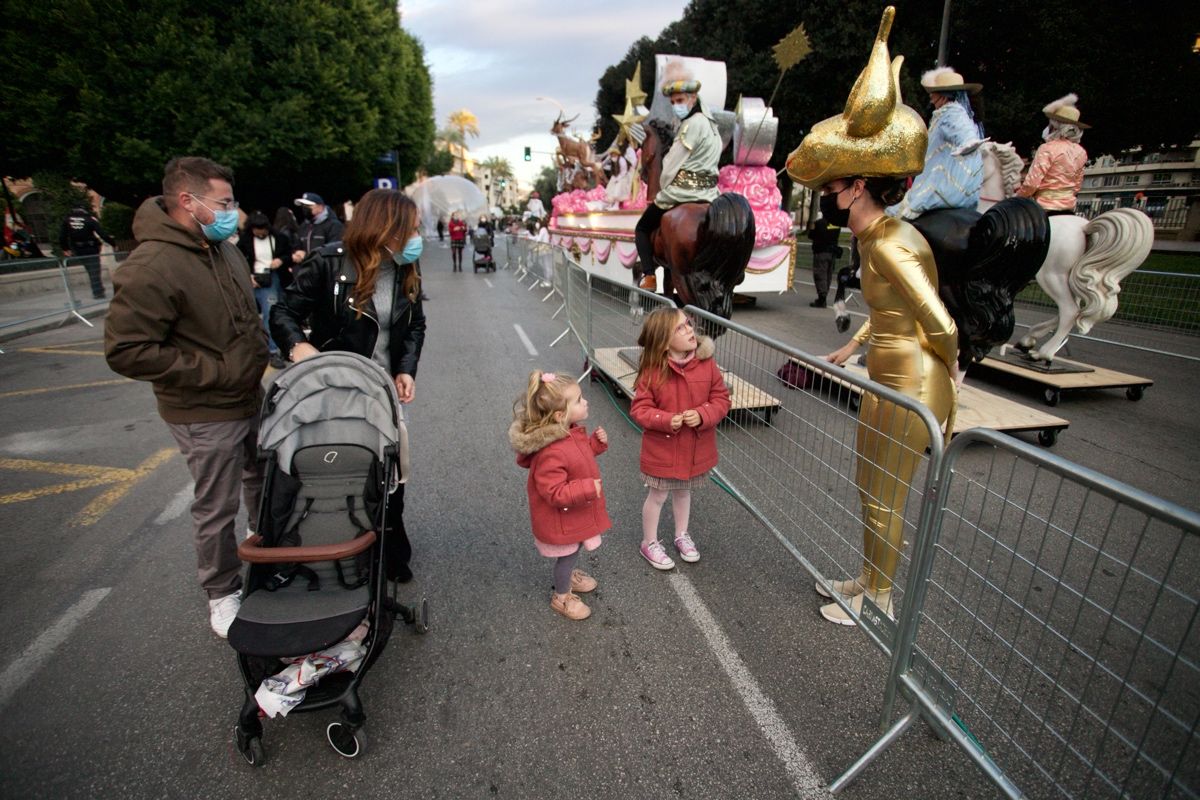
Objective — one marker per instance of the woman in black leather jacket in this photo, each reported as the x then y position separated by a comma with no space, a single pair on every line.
345,291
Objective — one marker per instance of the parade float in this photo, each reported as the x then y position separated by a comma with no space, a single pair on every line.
601,199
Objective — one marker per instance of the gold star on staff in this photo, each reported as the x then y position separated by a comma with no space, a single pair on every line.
633,89
792,48
627,120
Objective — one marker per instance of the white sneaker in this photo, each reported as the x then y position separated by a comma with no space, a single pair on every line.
222,611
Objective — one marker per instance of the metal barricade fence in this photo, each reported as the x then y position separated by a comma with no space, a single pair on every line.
795,448
615,314
559,285
541,258
45,288
1157,311
1047,615
1053,632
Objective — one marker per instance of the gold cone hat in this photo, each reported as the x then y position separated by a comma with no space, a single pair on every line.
875,136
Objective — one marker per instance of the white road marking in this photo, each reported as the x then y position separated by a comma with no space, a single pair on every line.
179,503
31,659
804,777
525,340
489,283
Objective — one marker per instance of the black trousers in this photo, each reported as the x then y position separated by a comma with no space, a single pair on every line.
647,225
397,549
91,263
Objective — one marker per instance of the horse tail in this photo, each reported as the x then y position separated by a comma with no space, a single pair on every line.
1006,247
724,243
1118,242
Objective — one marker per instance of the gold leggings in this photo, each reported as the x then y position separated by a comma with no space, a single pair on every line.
890,444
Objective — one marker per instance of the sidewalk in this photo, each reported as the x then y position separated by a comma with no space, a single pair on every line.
33,313
34,300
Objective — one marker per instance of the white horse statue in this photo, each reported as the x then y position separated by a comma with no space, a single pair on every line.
1087,259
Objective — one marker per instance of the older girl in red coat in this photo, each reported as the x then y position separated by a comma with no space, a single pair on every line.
566,504
679,399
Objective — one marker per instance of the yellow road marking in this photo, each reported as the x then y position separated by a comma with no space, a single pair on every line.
120,479
76,342
102,504
22,392
58,468
61,350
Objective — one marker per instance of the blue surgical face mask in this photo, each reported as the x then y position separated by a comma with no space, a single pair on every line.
223,226
411,252
681,109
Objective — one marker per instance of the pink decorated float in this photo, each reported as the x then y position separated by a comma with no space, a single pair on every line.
599,232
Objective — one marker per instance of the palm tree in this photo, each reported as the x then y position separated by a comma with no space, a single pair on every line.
465,123
500,171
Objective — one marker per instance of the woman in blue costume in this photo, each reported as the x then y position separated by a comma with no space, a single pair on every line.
948,180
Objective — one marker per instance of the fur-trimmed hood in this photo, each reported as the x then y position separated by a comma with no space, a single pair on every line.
526,443
705,347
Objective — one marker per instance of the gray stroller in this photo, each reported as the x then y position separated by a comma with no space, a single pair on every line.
333,442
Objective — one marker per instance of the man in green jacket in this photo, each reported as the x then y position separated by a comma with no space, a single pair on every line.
689,169
183,318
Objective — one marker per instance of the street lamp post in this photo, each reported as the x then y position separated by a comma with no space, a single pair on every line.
552,100
945,36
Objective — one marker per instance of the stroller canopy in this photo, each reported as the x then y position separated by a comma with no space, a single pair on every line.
335,397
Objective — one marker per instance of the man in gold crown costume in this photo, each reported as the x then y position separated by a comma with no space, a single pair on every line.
858,160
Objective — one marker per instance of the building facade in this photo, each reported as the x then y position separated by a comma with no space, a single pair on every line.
1165,184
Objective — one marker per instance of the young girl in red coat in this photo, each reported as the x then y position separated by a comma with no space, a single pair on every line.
566,504
678,400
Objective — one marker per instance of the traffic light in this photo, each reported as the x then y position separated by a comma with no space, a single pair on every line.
528,154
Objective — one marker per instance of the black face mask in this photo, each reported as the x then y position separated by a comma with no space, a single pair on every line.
833,214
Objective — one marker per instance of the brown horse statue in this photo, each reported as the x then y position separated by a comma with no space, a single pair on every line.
704,247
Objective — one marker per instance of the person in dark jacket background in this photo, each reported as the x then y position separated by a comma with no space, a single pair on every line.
268,252
321,228
363,295
183,317
825,250
80,236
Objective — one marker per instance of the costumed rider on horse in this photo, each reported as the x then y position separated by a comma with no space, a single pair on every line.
1056,174
948,180
689,169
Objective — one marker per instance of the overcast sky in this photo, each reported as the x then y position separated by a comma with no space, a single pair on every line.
495,58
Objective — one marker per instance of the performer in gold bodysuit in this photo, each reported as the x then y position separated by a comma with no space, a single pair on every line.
858,161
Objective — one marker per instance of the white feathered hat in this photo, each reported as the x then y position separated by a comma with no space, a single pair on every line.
1063,110
945,79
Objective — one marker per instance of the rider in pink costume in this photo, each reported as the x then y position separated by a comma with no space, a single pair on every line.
1056,174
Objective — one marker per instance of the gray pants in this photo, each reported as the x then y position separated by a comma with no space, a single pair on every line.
822,272
222,457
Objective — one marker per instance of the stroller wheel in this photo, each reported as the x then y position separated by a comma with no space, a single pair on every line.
421,623
251,748
347,742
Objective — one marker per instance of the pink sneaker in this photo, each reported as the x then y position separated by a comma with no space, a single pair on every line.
687,548
657,556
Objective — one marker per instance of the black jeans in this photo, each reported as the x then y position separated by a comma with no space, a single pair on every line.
398,550
647,225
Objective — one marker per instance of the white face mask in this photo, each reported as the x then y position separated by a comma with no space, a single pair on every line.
681,109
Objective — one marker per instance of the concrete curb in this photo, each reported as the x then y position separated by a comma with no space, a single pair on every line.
51,323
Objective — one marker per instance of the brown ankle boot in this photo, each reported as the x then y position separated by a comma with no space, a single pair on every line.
570,606
582,582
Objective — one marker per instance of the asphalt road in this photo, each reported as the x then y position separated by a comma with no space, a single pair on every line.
717,681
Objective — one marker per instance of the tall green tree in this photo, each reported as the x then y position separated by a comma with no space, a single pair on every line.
1131,64
299,95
